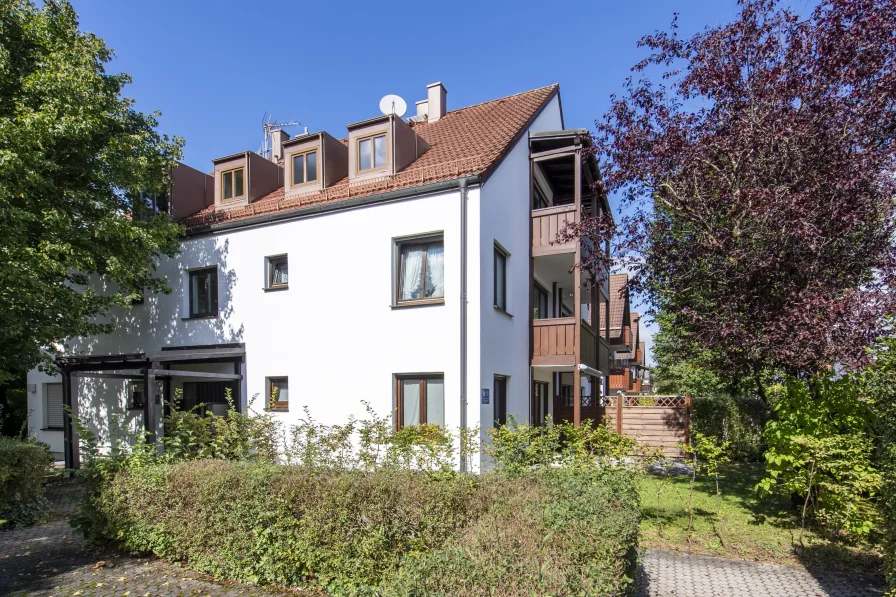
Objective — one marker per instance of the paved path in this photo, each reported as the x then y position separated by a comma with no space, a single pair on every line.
673,574
50,561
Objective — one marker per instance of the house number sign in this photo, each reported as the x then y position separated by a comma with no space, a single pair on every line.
485,395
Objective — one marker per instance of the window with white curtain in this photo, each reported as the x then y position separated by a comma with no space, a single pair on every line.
421,270
421,400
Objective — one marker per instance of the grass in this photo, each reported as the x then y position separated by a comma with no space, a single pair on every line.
755,528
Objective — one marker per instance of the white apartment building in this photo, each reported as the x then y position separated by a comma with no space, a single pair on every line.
411,264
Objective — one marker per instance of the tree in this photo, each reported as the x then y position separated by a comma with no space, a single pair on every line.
755,162
77,162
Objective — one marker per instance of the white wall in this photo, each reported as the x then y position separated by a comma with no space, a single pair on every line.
506,214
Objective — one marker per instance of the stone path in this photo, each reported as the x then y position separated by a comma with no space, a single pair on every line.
674,574
50,561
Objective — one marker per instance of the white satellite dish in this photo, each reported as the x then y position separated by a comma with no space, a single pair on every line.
393,104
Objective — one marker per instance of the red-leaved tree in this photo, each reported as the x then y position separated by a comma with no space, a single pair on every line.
755,162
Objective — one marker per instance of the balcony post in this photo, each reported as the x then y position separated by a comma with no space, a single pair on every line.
577,292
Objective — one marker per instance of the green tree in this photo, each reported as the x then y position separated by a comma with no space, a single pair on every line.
77,163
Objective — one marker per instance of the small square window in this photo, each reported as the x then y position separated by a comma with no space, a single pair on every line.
232,187
421,400
278,393
278,272
421,269
304,168
371,153
204,292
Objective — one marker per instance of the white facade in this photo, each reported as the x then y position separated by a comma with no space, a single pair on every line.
335,332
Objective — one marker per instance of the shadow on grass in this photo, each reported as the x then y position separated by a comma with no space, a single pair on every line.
827,563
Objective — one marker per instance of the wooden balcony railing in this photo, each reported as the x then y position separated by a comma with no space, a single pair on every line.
621,380
546,224
588,339
553,341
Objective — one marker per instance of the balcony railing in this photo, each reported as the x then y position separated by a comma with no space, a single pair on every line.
554,343
547,222
621,381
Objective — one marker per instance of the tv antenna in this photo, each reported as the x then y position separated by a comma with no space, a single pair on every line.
270,125
393,104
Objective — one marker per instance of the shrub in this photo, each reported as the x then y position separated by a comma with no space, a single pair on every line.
24,466
738,420
390,531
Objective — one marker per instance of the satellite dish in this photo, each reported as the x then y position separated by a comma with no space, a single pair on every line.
393,104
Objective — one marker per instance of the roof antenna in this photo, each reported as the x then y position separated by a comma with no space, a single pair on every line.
270,125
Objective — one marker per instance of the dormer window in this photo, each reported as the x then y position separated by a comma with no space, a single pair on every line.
371,153
304,168
232,187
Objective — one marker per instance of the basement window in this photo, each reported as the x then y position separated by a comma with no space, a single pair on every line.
232,186
371,153
304,168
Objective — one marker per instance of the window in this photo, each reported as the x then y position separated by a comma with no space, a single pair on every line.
278,272
232,187
540,200
540,301
278,393
539,402
500,278
304,168
204,292
137,397
500,400
53,413
421,271
421,400
371,153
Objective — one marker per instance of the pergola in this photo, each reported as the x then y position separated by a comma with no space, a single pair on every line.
139,366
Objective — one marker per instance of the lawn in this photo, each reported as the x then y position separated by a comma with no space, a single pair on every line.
754,528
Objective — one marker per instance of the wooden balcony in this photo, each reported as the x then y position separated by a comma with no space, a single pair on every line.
554,343
546,224
620,380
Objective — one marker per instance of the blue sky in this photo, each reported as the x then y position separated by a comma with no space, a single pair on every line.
215,68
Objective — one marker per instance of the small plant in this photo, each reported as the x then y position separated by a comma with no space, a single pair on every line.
709,454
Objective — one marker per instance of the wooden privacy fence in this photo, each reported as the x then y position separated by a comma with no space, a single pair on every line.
655,421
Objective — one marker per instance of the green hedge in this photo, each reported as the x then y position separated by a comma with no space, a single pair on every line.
24,467
388,532
739,420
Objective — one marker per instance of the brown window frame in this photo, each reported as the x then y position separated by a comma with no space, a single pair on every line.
371,138
271,262
213,292
231,172
292,168
424,241
279,406
500,401
500,252
539,292
399,395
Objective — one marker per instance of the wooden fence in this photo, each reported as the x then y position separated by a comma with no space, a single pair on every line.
655,421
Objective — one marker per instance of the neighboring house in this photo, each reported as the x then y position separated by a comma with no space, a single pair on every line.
622,335
411,265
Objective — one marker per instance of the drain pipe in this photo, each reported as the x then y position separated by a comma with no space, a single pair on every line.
462,185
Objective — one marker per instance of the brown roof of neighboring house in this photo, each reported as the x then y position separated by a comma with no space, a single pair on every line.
617,300
465,142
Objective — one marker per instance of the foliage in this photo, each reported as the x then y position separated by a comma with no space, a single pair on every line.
14,409
755,164
878,385
737,420
391,531
517,448
24,467
709,455
819,448
76,161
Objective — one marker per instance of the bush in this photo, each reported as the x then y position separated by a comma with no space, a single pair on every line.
391,531
738,420
24,466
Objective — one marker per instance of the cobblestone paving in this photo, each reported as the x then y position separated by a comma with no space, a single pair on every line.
673,574
50,561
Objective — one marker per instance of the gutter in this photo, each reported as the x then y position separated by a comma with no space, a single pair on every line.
336,206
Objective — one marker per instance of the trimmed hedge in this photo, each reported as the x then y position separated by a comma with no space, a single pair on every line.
388,532
24,467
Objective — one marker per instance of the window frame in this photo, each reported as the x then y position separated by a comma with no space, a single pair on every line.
232,172
541,291
500,400
505,256
270,262
371,137
46,405
424,240
279,406
213,292
424,379
292,168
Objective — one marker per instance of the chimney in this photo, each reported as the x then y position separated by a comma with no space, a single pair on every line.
278,138
422,107
435,103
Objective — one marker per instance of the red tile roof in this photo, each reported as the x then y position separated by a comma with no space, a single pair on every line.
617,301
465,142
